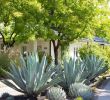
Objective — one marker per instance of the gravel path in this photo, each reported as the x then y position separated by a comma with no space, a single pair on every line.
104,92
6,89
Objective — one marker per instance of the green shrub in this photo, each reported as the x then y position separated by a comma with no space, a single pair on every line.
95,49
4,63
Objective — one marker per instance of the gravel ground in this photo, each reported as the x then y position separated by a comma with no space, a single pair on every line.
6,89
102,94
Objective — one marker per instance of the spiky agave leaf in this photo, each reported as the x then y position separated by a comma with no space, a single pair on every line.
31,77
94,66
73,72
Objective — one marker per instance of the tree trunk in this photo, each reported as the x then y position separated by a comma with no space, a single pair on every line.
56,55
55,47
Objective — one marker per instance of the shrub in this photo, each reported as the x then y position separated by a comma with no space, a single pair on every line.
4,63
95,49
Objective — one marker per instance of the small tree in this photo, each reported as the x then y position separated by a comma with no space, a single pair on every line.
12,24
66,20
60,21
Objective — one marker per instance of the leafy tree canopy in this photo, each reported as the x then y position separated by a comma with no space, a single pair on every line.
14,24
101,22
65,20
56,20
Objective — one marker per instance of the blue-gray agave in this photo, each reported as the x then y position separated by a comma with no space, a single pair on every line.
31,77
56,93
80,90
73,72
94,66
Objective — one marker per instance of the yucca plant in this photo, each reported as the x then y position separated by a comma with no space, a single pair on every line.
73,72
94,66
80,90
31,77
56,93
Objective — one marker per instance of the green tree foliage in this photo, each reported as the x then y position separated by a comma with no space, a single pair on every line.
12,24
60,21
101,23
66,20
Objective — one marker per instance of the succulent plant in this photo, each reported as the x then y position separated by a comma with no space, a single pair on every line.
56,93
80,90
31,76
94,66
73,72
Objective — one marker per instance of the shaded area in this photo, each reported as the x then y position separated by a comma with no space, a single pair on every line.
103,93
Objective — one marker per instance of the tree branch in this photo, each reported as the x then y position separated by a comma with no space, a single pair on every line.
83,29
3,38
11,35
13,41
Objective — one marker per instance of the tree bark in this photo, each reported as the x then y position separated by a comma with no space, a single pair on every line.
56,55
56,47
8,44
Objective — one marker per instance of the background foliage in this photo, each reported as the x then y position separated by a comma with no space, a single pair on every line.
96,49
4,63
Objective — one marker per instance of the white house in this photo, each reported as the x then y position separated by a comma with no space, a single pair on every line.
74,47
47,47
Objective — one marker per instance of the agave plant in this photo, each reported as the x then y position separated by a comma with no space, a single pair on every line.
80,90
94,66
31,77
73,72
56,93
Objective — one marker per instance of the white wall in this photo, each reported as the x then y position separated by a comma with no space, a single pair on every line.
73,49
